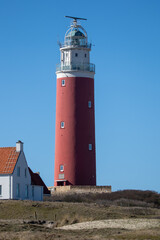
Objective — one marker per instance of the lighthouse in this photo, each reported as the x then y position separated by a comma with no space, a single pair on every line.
75,158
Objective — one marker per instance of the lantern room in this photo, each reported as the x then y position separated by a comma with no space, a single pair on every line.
75,51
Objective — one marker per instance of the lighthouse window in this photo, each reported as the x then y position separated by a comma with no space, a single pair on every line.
76,54
63,83
61,168
90,147
62,124
89,104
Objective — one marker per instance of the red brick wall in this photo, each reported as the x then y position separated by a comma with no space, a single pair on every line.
71,148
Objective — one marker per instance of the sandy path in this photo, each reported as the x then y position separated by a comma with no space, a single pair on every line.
115,223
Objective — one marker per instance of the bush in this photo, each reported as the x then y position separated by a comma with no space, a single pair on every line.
121,198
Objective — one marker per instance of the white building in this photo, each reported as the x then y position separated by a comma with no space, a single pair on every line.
15,177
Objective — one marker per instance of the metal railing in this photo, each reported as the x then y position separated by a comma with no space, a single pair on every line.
75,44
89,67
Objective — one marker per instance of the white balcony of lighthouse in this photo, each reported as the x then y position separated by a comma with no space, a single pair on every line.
90,67
75,51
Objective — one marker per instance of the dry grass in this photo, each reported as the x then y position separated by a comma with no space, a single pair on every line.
18,219
120,198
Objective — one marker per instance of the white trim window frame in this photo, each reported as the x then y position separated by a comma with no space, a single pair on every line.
61,168
62,124
63,83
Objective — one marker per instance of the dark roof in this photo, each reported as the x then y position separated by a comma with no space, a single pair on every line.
37,180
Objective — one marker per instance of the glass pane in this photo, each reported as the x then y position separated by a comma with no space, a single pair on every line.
62,124
61,168
89,104
63,83
32,191
90,146
18,190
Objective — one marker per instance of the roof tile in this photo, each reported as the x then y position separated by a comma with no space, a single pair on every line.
8,159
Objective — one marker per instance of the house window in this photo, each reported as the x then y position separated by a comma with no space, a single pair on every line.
32,191
18,190
0,190
90,147
76,54
62,124
89,104
63,83
26,191
85,55
18,171
61,168
25,172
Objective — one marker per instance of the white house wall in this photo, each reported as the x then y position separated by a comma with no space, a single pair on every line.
22,179
38,193
5,182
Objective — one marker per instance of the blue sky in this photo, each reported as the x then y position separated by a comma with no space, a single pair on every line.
126,52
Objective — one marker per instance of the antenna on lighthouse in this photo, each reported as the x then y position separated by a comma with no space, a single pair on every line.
75,18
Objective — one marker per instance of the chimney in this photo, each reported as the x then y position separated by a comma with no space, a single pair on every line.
19,146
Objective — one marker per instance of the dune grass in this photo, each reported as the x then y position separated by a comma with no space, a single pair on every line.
37,220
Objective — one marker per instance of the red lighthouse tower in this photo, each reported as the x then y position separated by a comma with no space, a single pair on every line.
75,162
